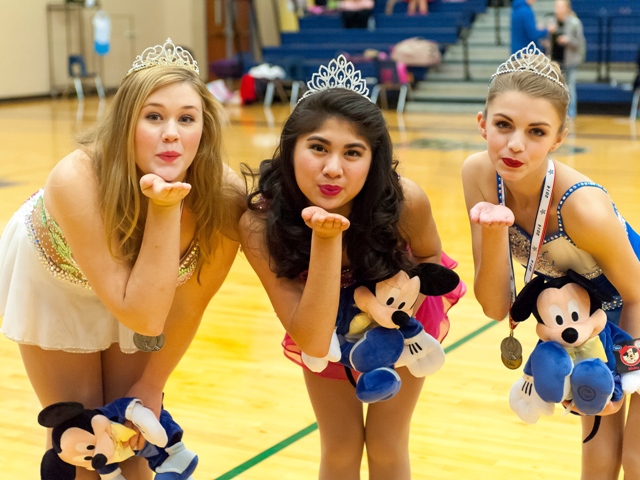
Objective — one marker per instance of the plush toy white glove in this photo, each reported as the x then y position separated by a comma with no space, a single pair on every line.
316,364
147,423
115,475
630,382
526,403
422,355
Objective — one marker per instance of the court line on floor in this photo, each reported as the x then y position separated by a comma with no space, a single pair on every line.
243,467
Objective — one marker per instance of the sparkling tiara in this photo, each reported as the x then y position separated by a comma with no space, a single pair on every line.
530,59
167,54
340,73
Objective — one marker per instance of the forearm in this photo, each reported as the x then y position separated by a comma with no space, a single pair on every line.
151,285
630,319
314,318
492,286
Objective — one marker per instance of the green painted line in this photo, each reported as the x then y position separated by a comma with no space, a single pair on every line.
313,427
267,453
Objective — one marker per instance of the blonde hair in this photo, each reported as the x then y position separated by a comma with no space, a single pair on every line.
533,85
112,147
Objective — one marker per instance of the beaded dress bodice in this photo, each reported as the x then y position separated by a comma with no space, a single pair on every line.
54,251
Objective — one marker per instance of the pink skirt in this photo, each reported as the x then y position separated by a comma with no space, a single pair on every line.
432,314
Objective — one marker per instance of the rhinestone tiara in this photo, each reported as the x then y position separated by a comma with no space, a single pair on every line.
340,73
167,54
530,59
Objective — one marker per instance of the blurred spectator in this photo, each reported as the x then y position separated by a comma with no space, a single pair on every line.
523,25
421,5
356,13
567,47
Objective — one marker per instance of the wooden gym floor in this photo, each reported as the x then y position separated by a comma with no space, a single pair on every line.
243,406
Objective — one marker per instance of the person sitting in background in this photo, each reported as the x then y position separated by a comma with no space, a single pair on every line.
356,13
421,5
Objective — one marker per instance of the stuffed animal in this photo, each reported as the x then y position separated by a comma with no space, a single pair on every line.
385,334
574,361
98,440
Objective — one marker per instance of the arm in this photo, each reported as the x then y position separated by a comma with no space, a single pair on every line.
418,225
307,311
71,198
529,23
489,237
591,222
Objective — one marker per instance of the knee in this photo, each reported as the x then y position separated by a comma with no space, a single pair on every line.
340,454
630,463
383,451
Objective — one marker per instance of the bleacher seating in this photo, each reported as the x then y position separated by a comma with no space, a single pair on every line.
322,37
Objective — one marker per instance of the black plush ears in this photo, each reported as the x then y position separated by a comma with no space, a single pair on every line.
435,279
58,413
54,468
526,301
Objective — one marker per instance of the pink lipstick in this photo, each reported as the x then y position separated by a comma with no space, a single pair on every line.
330,190
168,156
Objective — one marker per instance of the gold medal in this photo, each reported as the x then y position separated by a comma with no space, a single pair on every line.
511,352
148,344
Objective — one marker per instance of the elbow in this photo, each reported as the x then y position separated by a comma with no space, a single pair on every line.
494,313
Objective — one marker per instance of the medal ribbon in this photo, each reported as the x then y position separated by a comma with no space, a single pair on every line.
539,231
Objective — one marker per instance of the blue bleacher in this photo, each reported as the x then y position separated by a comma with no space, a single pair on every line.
322,37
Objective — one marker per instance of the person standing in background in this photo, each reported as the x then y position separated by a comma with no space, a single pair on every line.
523,25
567,47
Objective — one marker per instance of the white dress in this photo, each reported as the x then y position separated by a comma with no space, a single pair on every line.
45,299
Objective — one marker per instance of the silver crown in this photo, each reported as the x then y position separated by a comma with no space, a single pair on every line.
167,54
340,73
530,59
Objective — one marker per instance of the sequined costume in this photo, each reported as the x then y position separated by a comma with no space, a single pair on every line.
45,298
559,253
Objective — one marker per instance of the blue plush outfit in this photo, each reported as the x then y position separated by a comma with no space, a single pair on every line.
594,382
155,456
523,26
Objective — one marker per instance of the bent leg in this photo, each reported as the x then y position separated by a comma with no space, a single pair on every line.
387,431
58,376
601,456
120,372
341,425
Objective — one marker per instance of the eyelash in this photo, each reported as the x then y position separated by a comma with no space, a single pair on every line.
534,131
157,116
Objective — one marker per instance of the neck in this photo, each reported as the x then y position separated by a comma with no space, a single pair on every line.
526,192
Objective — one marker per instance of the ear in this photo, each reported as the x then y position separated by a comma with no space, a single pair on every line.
482,124
526,300
560,139
53,468
58,413
435,279
589,286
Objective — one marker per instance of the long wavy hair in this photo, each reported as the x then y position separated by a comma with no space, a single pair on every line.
374,245
111,145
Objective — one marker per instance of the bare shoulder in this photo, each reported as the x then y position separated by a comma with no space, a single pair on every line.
251,229
236,198
72,185
477,164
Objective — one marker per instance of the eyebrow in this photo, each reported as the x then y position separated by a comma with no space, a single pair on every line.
160,105
320,139
536,124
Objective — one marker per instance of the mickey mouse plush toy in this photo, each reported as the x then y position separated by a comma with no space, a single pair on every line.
98,440
384,334
575,359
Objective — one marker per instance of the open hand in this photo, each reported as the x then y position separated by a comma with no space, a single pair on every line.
323,223
161,192
489,215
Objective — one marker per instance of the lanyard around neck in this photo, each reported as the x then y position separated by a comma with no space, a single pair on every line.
539,229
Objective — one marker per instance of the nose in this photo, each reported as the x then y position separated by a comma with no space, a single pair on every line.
516,142
333,166
570,335
170,132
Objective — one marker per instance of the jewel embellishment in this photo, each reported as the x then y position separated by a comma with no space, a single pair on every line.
164,55
340,73
530,59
